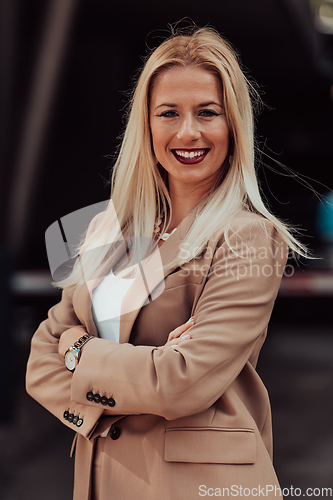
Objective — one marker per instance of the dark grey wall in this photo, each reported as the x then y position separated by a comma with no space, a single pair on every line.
277,43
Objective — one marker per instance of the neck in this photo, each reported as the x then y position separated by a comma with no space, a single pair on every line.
183,201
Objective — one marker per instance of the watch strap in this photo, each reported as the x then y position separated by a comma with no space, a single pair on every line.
81,341
76,348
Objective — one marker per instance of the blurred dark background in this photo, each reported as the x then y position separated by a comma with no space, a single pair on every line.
66,67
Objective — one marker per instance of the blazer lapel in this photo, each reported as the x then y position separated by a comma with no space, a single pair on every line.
149,282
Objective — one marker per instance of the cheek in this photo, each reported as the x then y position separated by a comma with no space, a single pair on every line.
223,137
159,137
218,133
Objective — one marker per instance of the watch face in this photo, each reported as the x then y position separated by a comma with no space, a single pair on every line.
70,360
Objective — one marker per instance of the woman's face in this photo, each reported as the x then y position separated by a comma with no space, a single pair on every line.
188,126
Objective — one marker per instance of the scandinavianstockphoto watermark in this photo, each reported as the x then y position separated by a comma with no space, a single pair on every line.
267,490
64,236
241,262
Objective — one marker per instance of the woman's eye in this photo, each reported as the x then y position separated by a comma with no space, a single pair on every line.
208,113
168,114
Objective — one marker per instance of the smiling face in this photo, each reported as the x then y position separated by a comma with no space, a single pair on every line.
188,126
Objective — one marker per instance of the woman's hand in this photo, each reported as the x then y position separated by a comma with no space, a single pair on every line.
179,334
68,338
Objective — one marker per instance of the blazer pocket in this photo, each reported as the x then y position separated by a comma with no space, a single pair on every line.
217,445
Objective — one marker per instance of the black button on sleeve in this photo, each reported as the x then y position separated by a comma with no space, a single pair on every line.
79,422
115,432
104,400
70,417
75,419
97,398
111,402
90,396
66,415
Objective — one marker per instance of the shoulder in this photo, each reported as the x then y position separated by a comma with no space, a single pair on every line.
247,218
251,230
247,222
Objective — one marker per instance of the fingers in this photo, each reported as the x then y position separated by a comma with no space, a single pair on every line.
175,342
178,340
191,320
177,332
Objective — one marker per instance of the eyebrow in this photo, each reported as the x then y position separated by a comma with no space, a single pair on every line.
168,105
203,105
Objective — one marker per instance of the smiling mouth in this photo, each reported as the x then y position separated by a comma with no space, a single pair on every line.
190,156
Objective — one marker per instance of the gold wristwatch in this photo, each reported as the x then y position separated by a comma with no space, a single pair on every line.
73,353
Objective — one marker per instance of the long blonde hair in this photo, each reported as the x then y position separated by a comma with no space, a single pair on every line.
139,192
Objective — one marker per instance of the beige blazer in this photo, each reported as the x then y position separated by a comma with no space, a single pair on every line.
187,421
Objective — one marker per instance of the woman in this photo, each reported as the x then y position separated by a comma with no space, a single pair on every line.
163,406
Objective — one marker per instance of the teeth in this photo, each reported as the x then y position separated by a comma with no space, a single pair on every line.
192,154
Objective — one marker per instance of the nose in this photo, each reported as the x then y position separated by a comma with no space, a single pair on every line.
188,130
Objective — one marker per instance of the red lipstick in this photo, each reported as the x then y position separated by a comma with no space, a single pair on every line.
190,156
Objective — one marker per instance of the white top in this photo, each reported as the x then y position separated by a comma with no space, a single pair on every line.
107,298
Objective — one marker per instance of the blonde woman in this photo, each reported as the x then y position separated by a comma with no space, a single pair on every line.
162,391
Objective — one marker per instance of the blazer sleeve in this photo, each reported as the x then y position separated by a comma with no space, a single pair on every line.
47,379
231,317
